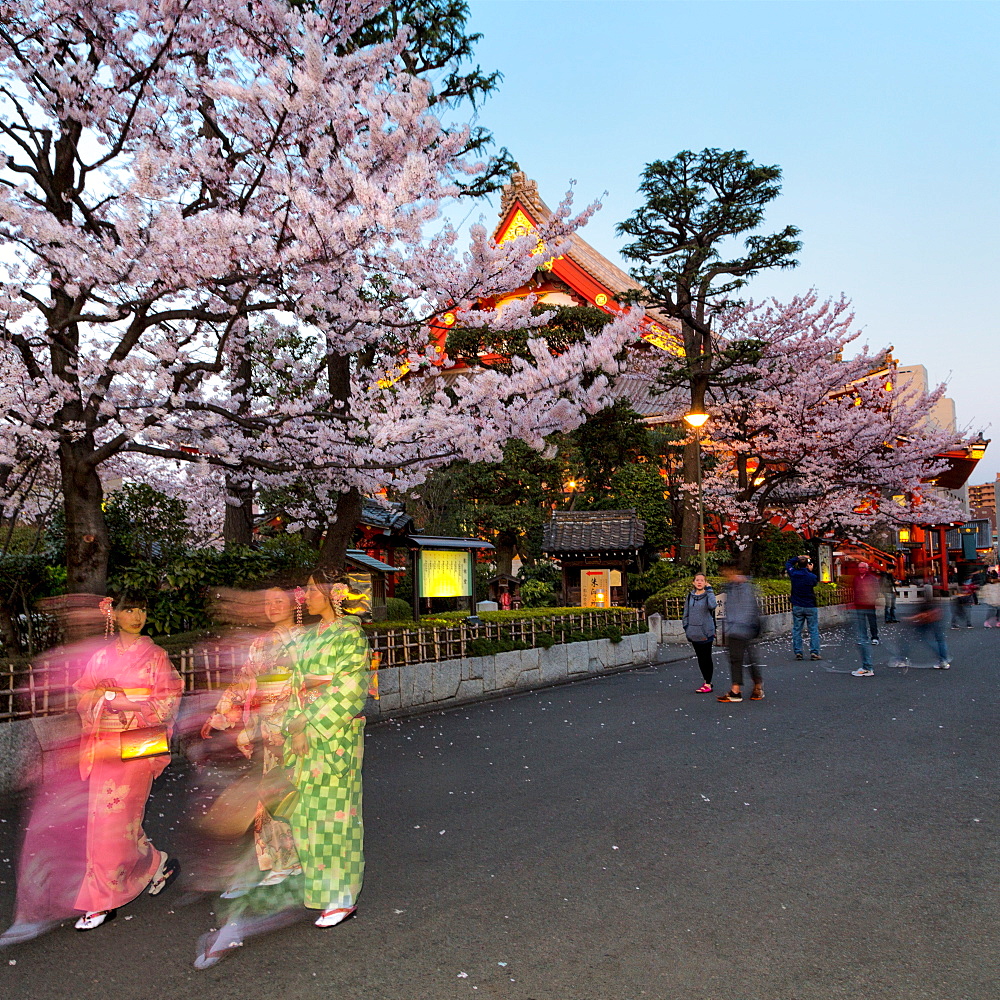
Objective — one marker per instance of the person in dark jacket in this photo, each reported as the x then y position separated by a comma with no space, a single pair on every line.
699,626
742,619
804,610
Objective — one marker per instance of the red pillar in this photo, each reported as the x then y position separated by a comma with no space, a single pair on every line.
943,546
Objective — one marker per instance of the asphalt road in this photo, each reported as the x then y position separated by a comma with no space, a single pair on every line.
626,837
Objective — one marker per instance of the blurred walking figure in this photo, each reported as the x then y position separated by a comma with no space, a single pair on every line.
864,596
741,615
129,695
698,622
255,704
928,620
52,858
326,743
962,605
805,614
989,594
889,595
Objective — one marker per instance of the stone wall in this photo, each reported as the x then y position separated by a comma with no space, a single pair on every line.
421,686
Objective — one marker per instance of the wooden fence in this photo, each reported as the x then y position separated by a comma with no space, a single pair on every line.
770,604
45,687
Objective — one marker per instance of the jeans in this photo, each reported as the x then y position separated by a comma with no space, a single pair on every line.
931,633
890,608
800,618
740,650
862,622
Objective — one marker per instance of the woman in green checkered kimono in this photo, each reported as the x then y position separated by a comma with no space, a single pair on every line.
326,745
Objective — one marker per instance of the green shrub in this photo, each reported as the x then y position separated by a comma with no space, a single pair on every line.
537,594
398,610
655,579
490,647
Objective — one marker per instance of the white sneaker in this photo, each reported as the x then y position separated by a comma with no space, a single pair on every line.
862,672
92,920
332,917
874,642
943,665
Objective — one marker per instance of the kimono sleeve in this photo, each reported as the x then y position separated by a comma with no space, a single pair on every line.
89,706
343,698
167,688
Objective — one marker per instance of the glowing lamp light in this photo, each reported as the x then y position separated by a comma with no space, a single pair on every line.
695,419
904,535
571,485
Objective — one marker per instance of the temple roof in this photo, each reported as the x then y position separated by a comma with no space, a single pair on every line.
385,515
524,190
592,532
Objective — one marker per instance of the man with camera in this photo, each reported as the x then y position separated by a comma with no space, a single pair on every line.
804,610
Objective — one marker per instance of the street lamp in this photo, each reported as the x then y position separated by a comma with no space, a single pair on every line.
697,421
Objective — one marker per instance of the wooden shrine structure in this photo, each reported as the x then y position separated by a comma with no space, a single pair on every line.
596,549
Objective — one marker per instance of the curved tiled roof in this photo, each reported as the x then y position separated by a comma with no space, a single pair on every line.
592,532
521,188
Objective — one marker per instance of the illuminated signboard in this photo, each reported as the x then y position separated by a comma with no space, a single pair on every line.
826,563
595,588
445,573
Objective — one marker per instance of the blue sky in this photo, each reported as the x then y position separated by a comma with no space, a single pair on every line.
883,117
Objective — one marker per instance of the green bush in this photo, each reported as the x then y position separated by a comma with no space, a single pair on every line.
655,579
766,588
398,610
506,616
537,594
490,647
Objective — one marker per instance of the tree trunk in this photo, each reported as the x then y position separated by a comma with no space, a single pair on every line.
8,631
506,547
238,525
689,533
87,542
333,553
689,505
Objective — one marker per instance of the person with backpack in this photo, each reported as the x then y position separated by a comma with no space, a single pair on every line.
698,621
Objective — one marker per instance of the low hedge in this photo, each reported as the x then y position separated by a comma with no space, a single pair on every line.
678,589
452,617
544,640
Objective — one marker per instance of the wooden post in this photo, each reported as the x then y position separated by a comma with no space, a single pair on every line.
414,576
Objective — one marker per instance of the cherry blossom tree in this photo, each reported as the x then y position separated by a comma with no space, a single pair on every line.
814,439
191,194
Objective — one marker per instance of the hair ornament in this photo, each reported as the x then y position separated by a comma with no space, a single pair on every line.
300,599
107,607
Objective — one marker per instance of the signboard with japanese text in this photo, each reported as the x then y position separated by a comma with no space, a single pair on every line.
826,563
445,573
595,588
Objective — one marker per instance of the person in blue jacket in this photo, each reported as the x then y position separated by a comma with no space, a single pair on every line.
804,610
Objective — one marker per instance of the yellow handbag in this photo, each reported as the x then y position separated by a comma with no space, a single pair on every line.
150,741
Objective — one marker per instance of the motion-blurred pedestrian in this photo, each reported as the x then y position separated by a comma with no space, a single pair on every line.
864,597
989,594
928,621
741,615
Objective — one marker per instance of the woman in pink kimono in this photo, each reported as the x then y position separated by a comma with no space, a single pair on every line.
127,685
